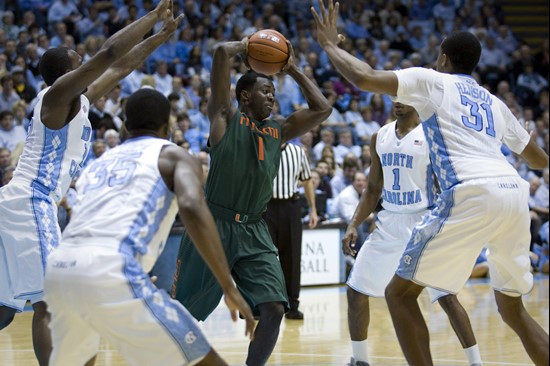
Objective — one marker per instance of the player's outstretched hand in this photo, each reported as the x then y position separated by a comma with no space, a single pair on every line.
327,31
244,54
348,241
236,303
291,62
170,24
162,7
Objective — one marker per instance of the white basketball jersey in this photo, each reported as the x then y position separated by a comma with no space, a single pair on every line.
123,202
465,125
52,158
408,175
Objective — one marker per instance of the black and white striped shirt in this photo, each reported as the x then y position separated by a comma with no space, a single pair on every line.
294,167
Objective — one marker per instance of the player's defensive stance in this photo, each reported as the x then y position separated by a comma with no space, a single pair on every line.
402,174
96,280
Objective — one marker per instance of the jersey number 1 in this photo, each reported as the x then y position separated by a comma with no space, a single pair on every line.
396,186
478,118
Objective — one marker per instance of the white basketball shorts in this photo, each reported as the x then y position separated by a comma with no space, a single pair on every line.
490,212
95,291
379,256
28,232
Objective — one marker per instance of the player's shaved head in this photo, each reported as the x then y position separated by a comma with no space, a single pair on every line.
147,109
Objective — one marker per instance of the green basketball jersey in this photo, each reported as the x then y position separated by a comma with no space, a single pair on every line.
244,164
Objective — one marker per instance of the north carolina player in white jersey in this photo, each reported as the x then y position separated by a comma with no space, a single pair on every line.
55,150
401,173
484,201
96,279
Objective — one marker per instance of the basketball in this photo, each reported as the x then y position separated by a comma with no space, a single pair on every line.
267,51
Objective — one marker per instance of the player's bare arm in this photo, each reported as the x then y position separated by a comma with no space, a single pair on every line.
319,109
133,59
62,101
181,172
220,108
310,197
353,69
368,200
535,157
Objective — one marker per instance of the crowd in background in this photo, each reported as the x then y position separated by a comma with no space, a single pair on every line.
386,34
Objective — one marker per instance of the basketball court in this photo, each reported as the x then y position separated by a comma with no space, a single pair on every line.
322,338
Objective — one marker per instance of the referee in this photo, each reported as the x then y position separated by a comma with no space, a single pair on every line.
284,218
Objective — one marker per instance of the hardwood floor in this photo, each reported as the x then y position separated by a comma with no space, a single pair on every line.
322,338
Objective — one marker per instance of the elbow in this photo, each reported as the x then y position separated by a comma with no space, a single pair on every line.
539,163
189,206
220,50
325,111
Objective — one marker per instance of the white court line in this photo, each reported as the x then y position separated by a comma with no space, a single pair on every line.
321,355
379,357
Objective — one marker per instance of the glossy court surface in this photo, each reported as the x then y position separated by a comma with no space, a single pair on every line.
322,338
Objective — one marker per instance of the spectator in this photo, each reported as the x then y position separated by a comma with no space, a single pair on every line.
340,181
322,168
25,91
5,160
367,127
191,135
531,80
8,96
8,25
92,25
163,80
345,146
10,134
200,120
111,138
378,108
348,200
20,114
7,175
327,139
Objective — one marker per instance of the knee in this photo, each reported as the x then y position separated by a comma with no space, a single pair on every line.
356,298
393,292
509,307
272,311
449,303
40,310
6,316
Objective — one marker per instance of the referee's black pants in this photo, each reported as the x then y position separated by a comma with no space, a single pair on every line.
284,219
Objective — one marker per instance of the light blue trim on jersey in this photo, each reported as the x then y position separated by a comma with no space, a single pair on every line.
423,233
45,220
157,203
177,322
439,154
430,186
49,167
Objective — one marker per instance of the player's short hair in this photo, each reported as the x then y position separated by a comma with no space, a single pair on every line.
54,64
464,50
147,109
247,81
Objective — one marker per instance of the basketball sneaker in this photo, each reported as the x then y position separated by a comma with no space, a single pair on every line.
352,362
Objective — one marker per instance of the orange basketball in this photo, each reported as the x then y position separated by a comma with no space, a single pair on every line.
267,51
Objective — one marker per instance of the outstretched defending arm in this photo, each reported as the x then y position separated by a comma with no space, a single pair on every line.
220,108
319,109
368,201
353,69
58,106
181,173
133,59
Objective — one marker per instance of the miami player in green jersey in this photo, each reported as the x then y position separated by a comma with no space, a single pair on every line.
245,150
